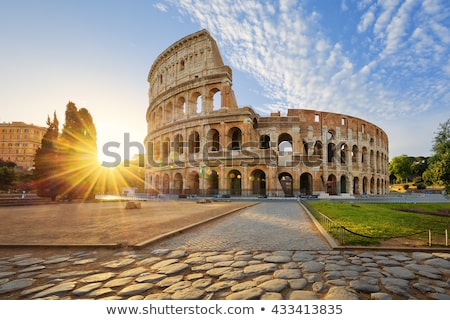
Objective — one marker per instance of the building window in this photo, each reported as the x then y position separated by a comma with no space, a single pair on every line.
316,118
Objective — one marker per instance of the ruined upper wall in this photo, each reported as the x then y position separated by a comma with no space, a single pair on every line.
190,59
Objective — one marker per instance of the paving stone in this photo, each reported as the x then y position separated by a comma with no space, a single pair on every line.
217,272
56,260
341,293
201,283
258,269
29,262
158,296
195,260
312,266
151,278
173,268
302,256
249,294
421,255
220,286
220,258
188,294
442,255
272,296
56,290
82,262
302,295
233,275
33,268
202,267
7,274
99,277
400,272
97,293
117,264
87,288
16,285
160,252
33,290
364,286
380,296
135,289
132,272
176,254
288,274
422,287
244,286
119,282
297,284
277,259
167,282
276,285
194,276
438,263
149,261
163,263
318,286
178,286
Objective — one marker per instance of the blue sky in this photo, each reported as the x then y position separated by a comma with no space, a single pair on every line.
385,61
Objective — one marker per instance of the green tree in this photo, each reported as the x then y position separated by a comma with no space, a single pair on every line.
438,170
78,152
47,173
400,167
7,176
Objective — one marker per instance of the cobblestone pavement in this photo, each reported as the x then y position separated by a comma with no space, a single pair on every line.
210,263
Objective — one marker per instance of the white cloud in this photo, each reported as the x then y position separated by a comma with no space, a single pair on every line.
286,49
161,7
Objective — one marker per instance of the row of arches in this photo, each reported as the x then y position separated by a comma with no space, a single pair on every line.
208,182
193,103
175,148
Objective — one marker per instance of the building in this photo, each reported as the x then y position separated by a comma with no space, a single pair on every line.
200,142
19,142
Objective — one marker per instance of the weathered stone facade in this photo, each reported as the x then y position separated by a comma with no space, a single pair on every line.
200,142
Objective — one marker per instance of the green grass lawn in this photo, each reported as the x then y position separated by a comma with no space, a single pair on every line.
381,221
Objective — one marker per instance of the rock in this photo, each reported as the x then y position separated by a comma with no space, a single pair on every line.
173,268
364,286
312,266
188,294
341,293
400,272
302,295
15,285
258,269
288,274
249,294
135,289
56,290
276,285
133,205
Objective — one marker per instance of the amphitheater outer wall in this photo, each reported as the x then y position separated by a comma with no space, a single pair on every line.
200,142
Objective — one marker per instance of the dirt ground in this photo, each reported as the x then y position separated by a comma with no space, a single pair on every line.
108,223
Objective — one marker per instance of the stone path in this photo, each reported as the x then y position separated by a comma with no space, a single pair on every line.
244,274
269,251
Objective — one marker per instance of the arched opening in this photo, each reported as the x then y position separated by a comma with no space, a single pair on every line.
318,149
178,183
193,183
199,105
286,182
264,142
306,184
211,181
365,185
356,185
258,182
343,184
331,152
165,186
343,154
354,154
177,147
159,117
331,185
194,142
216,99
235,135
285,143
157,186
213,138
372,186
235,182
165,150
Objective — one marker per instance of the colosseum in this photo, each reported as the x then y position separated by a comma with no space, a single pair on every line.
200,142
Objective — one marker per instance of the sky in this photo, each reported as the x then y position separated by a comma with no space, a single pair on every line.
386,61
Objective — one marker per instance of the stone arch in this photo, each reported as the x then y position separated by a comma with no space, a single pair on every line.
264,141
193,182
287,183
235,182
285,143
355,154
344,184
194,142
365,186
211,180
318,149
178,148
331,185
178,183
306,184
159,117
165,148
216,99
166,184
213,140
194,106
356,185
343,154
235,137
331,152
258,182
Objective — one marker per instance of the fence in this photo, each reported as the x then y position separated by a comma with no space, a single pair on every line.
339,232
